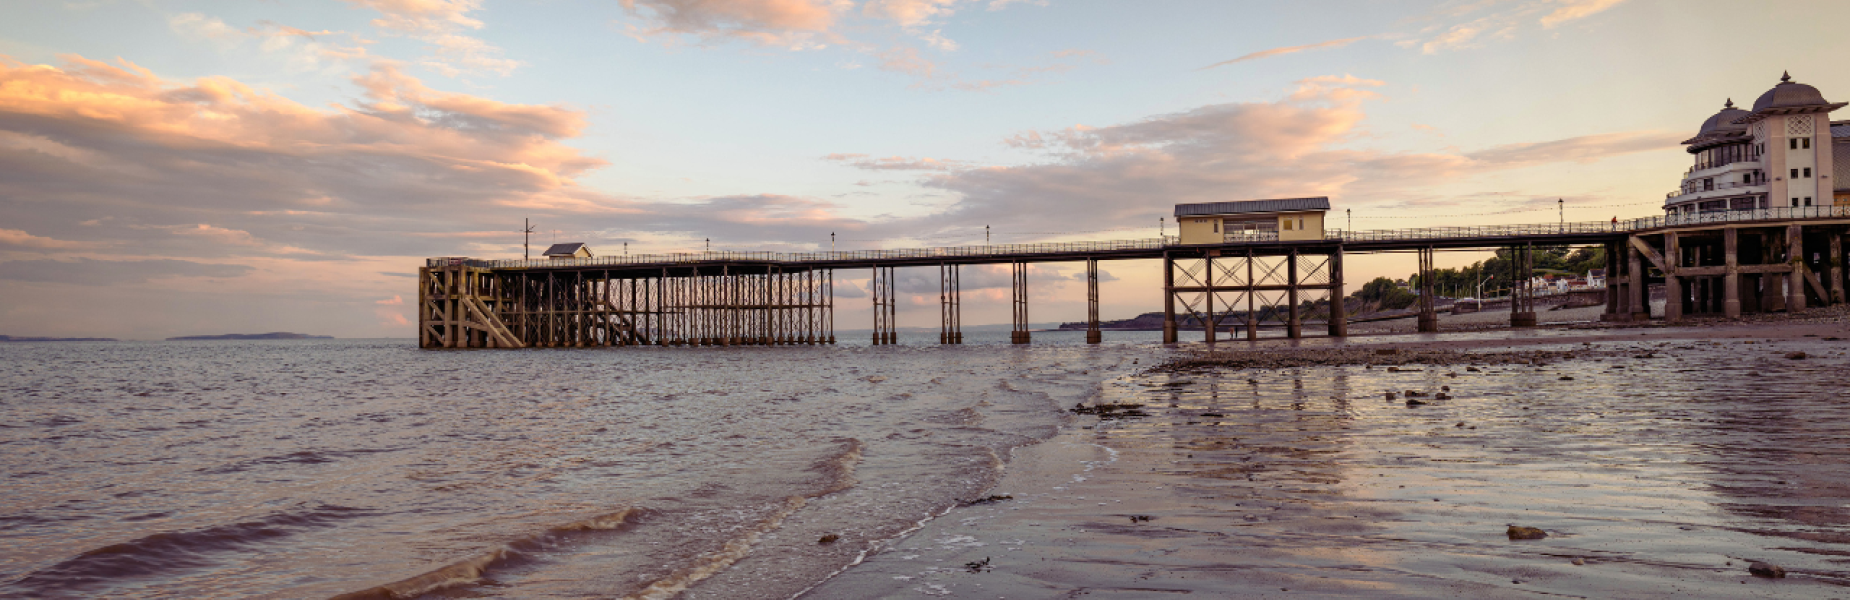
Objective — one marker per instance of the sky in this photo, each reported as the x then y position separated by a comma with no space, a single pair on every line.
176,167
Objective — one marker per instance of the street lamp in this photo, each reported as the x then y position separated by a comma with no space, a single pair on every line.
1350,214
831,241
1561,206
1162,229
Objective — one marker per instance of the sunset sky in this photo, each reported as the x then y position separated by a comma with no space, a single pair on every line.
172,167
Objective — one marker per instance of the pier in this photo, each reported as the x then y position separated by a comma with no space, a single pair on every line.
1724,263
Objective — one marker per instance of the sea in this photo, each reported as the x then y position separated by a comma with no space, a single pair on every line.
373,469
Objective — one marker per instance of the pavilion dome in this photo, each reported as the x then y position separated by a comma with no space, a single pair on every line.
1789,94
1724,121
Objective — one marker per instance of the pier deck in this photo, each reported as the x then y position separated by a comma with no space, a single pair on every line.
1720,262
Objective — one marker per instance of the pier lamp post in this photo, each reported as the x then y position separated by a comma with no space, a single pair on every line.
1561,208
831,242
709,244
985,235
1162,229
1349,213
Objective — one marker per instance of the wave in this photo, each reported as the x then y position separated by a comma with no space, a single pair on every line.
470,570
839,468
166,553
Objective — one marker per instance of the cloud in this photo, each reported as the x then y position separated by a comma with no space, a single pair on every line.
1576,9
1302,145
897,163
1286,50
20,239
909,13
793,24
142,158
305,50
970,278
1583,149
392,301
84,271
1472,23
847,289
440,23
816,24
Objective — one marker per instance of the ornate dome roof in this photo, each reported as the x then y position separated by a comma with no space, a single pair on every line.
1789,94
1724,121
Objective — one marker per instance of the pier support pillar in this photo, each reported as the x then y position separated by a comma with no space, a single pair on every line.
1092,333
1612,283
1252,313
1835,264
1795,256
1339,314
1429,316
1209,322
1294,328
1522,288
1673,285
1020,335
1635,297
1731,276
884,307
1169,299
950,305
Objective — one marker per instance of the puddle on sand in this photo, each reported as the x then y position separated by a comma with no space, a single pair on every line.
1660,476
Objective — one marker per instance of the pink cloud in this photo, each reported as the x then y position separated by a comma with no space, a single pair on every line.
21,239
1301,145
787,23
440,23
1286,50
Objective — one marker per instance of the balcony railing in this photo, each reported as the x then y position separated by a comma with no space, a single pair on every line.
1028,250
1726,185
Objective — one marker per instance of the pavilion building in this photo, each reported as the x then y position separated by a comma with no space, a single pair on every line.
1785,153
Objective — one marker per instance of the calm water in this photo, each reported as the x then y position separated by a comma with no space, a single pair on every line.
317,468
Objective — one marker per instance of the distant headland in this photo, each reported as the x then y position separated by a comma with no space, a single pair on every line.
8,338
279,335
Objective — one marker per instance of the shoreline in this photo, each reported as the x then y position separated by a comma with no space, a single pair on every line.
1099,508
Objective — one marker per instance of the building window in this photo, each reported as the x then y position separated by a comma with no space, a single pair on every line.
1808,172
1287,224
1808,200
1804,143
1795,202
1795,173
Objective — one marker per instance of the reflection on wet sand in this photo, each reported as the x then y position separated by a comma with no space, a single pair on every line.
1656,468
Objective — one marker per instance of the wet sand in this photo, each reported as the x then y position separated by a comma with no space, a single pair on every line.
1660,461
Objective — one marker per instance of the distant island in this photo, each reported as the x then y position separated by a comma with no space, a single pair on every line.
279,335
8,338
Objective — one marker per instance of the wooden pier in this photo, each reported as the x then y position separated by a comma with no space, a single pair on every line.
1725,263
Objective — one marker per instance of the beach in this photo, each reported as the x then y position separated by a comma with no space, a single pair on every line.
1659,462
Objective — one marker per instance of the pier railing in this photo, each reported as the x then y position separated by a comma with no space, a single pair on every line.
832,256
1029,250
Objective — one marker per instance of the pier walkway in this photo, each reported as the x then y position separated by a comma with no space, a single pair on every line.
1724,262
